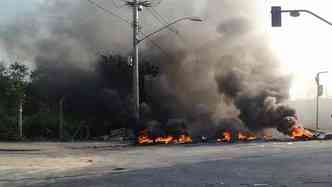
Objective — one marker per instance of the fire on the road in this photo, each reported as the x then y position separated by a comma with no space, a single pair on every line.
241,136
144,138
301,133
226,137
290,126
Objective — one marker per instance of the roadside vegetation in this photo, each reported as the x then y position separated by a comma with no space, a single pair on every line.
66,101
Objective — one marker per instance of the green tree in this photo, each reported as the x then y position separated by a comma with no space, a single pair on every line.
4,85
17,76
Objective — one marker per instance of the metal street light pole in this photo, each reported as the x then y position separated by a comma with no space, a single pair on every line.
319,93
137,7
61,118
277,22
276,15
20,117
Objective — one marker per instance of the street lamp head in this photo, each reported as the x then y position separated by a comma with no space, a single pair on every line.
294,13
321,72
198,19
317,76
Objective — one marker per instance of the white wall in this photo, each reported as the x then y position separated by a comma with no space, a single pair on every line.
306,110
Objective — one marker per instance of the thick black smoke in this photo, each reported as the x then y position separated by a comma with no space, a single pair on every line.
249,84
228,79
211,72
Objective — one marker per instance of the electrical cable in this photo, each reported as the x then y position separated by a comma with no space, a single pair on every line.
126,21
118,6
109,11
161,20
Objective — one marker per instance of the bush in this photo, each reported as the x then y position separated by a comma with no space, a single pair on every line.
8,128
41,126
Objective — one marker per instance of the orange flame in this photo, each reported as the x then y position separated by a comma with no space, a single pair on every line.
297,132
184,139
225,137
246,136
144,138
164,140
300,133
242,136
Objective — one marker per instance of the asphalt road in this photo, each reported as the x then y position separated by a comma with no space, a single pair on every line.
253,164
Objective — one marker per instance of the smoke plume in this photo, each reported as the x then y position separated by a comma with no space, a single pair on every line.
215,73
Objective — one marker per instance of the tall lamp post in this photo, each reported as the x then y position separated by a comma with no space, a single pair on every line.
276,12
276,15
319,93
136,60
137,7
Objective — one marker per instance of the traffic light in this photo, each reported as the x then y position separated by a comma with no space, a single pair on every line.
276,16
320,90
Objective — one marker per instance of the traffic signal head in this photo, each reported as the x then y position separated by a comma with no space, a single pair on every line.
276,16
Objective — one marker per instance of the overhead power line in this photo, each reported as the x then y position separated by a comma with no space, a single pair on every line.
127,22
155,2
109,11
159,15
154,12
161,19
151,41
156,15
118,6
159,47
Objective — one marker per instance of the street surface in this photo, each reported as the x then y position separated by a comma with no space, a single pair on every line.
283,164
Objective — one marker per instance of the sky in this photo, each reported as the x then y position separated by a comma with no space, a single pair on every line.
9,9
303,44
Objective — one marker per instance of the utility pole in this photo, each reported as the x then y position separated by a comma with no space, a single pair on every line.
319,93
136,9
137,6
61,118
317,102
20,117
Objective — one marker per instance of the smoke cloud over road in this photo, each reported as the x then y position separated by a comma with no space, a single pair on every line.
221,71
